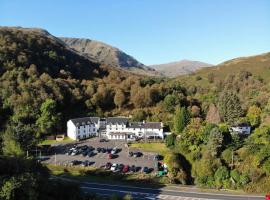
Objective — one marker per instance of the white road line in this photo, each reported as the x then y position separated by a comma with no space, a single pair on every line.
168,190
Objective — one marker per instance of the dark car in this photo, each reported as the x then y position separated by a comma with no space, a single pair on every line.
103,140
90,154
91,148
103,150
109,150
137,154
108,165
84,147
130,154
125,169
120,167
85,163
76,162
98,149
158,157
133,168
84,153
146,170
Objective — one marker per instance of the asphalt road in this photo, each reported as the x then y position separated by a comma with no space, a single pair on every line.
140,193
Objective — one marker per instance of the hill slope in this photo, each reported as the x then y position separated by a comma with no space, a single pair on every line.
174,69
107,55
258,65
29,46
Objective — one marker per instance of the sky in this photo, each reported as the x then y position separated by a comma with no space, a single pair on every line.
153,31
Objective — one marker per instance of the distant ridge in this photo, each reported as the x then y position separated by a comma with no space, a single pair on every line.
107,55
182,67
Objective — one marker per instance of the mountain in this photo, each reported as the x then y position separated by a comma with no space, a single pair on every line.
174,69
107,55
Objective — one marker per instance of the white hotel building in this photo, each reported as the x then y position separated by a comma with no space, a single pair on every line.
114,128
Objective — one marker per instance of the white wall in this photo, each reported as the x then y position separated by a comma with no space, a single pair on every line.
241,130
71,130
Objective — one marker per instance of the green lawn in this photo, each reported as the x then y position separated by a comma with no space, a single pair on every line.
151,147
47,142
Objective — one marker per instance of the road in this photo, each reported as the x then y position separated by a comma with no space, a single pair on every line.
166,193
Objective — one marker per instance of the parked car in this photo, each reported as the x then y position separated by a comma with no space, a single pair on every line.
98,149
69,152
133,168
85,163
76,162
110,156
91,148
114,167
108,165
130,154
74,152
109,150
103,150
137,154
84,153
120,167
114,150
125,169
146,170
90,154
103,140
84,147
158,157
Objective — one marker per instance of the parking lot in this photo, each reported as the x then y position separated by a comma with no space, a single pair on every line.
59,155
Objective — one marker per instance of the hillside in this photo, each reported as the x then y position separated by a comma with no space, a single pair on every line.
174,69
28,46
107,55
258,65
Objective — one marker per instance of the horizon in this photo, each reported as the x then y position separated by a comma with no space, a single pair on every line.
153,34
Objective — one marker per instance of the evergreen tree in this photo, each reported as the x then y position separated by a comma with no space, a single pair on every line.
230,107
181,119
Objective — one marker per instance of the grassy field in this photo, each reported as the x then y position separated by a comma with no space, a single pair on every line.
47,142
151,147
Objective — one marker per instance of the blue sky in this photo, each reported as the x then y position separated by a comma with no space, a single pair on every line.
153,31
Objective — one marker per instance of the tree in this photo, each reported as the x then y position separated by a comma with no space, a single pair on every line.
212,115
215,142
119,98
181,119
230,107
49,118
253,115
170,101
211,77
170,140
221,175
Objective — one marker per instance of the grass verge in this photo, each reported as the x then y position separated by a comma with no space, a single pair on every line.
151,147
49,142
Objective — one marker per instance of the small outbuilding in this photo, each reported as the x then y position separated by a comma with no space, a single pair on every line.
241,129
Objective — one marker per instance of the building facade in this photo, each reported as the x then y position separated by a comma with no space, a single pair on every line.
242,129
82,128
114,128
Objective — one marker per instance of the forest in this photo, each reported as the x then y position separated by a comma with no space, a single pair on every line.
43,83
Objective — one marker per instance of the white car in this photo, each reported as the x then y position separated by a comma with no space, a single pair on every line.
114,150
74,153
114,167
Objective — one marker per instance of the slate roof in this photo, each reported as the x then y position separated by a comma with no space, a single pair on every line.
146,125
241,125
117,120
153,125
85,120
135,125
